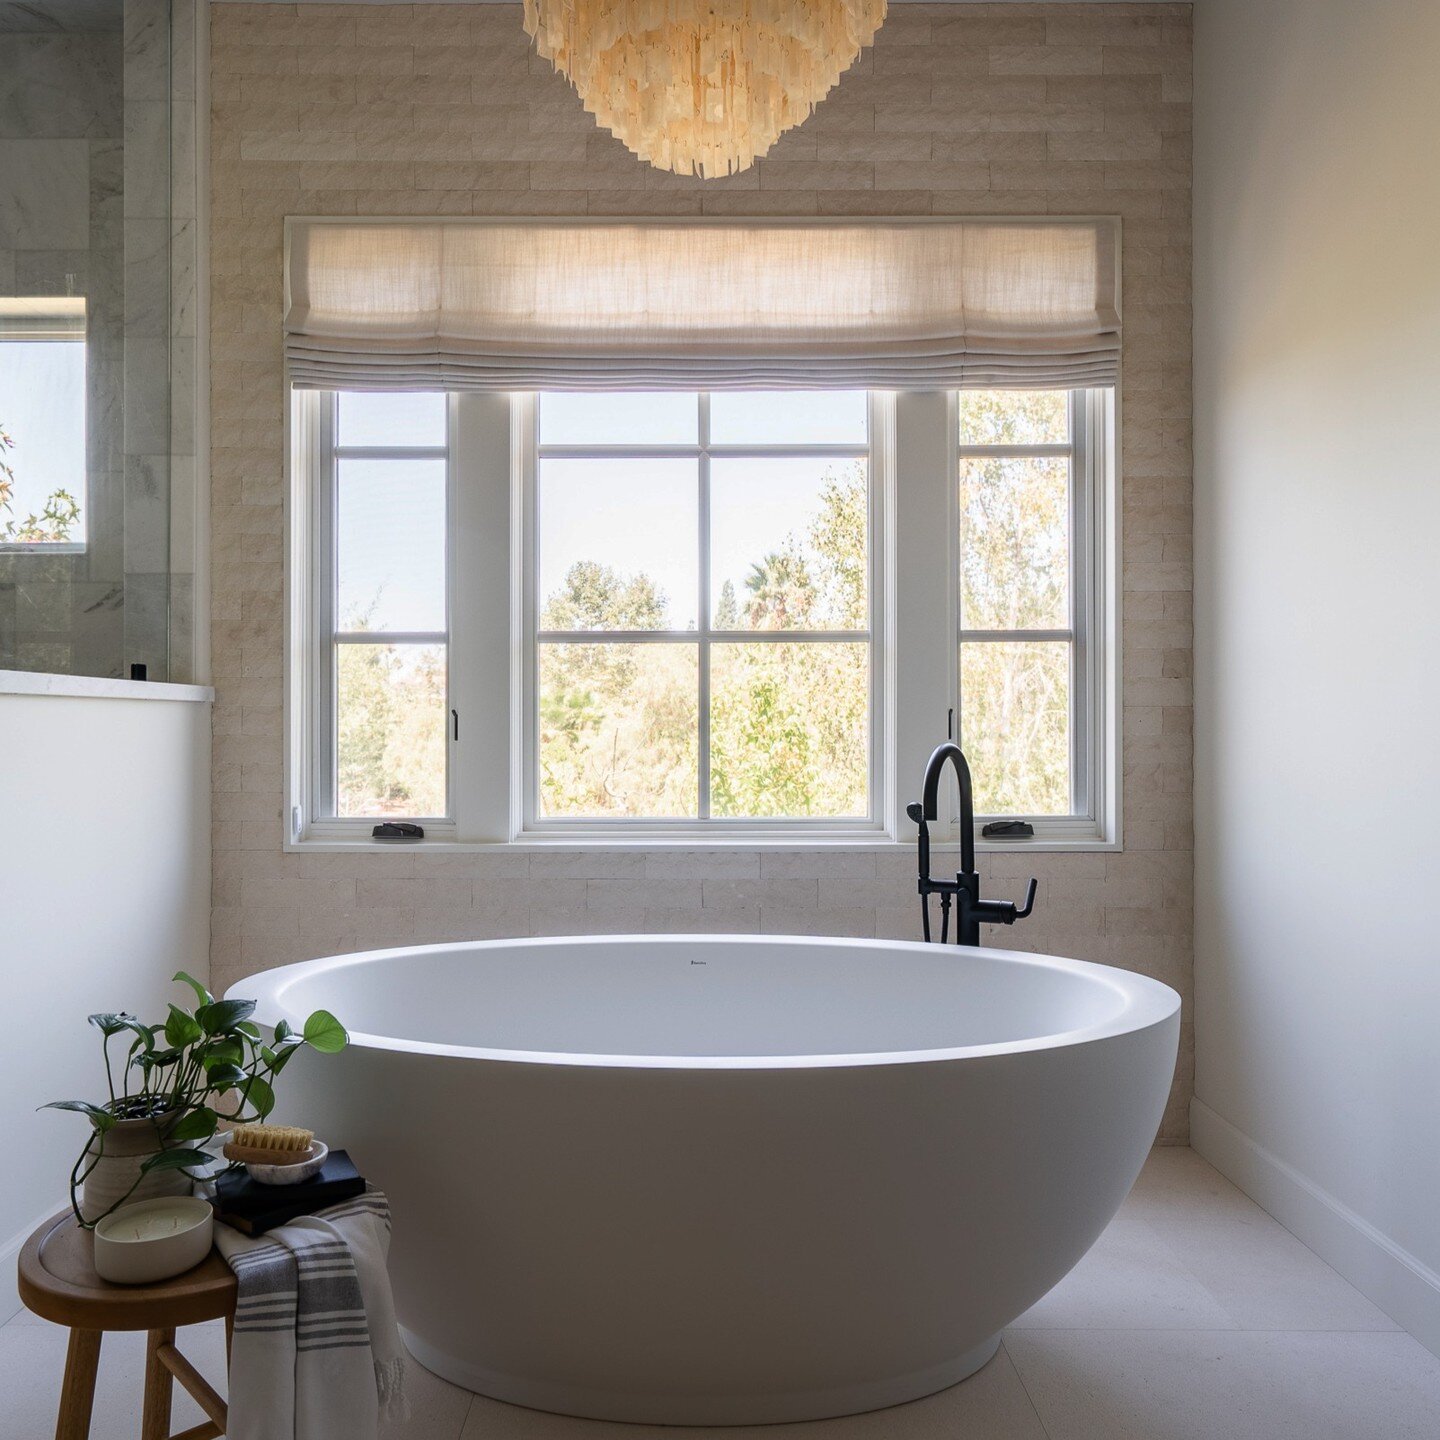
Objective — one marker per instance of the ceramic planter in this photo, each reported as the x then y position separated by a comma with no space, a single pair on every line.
127,1145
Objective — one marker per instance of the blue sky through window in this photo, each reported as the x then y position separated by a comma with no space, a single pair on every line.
42,409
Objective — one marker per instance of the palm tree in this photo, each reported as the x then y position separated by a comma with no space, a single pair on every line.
780,590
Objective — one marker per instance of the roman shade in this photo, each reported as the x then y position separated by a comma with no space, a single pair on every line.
42,317
655,305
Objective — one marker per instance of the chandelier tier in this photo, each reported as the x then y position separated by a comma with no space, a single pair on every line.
702,87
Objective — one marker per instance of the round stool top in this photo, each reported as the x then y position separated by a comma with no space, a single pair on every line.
58,1282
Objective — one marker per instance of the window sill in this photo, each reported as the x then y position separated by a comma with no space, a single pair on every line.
840,845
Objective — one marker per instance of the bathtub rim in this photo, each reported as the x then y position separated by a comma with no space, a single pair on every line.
1144,1003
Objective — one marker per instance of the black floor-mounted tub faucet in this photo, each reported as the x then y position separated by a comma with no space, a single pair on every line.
964,890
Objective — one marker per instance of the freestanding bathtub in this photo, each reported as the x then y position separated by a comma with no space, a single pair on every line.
728,1180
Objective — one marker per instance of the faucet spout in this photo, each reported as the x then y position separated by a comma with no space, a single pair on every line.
949,753
964,891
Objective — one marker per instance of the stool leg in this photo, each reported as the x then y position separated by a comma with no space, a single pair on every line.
77,1392
159,1387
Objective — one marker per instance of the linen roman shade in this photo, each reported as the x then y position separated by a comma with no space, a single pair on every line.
654,305
42,317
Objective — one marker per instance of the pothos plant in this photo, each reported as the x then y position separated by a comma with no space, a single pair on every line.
184,1075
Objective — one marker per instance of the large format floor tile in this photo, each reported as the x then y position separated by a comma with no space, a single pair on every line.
1264,1277
1195,1317
437,1408
1131,1280
991,1405
32,1360
1229,1385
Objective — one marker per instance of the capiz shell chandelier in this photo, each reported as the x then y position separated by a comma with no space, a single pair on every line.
702,87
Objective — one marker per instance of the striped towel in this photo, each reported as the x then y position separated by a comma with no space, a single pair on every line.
316,1353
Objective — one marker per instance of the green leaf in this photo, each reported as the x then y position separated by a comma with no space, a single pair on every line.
323,1032
224,1073
181,1028
144,1034
223,1047
250,1028
282,1029
198,1124
110,1024
100,1118
159,1059
176,1160
202,995
222,1015
258,1095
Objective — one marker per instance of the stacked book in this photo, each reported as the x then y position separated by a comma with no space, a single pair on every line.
253,1208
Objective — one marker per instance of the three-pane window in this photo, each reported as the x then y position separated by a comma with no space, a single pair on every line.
677,613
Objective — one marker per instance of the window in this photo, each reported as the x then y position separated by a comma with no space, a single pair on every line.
42,423
1027,591
381,572
702,594
676,615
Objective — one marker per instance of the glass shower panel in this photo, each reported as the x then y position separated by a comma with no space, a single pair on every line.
88,326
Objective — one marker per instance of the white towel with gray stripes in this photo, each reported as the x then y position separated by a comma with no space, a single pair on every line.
316,1353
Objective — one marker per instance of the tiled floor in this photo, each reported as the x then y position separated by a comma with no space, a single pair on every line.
1196,1317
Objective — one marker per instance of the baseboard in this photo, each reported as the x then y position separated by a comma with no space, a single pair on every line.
9,1259
1402,1285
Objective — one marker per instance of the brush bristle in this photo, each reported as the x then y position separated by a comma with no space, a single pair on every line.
272,1137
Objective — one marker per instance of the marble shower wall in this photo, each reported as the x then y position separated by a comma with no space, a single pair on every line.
97,198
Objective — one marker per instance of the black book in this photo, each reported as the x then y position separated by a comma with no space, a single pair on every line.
253,1208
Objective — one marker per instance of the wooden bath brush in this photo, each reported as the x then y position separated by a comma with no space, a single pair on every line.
269,1144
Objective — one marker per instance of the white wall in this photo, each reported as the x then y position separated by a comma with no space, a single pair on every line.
1317,353
104,894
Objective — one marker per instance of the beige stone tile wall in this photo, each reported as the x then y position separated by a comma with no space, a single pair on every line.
438,110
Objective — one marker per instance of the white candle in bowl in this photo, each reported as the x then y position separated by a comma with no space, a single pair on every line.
153,1239
148,1227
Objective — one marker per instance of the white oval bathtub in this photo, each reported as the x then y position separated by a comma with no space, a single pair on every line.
716,1180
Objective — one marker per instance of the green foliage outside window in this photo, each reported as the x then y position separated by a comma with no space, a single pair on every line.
1014,575
55,520
789,723
619,722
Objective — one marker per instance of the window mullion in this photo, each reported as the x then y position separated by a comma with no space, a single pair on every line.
993,637
392,637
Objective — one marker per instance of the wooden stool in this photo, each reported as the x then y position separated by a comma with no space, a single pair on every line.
58,1282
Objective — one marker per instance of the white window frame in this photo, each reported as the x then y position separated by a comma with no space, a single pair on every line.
316,455
15,334
914,597
874,451
1094,520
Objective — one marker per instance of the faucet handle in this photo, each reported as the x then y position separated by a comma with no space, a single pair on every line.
1004,912
1029,900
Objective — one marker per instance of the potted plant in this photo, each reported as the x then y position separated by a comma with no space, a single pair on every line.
179,1079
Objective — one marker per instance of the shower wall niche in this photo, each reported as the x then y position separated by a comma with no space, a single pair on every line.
97,326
